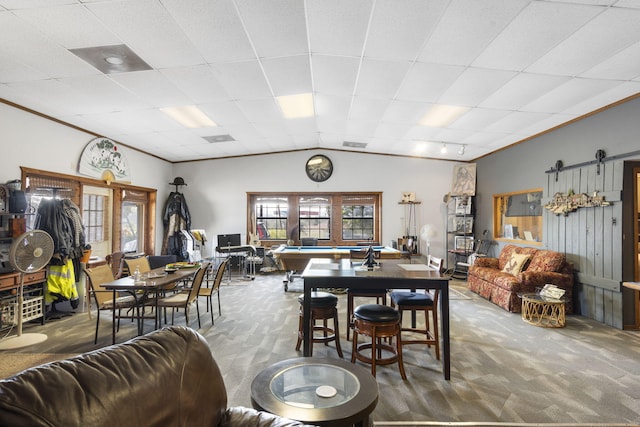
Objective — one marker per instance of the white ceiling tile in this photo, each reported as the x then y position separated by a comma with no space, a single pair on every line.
153,87
20,43
427,82
516,121
474,86
391,130
625,65
261,110
214,27
242,79
337,27
332,107
363,108
71,26
405,112
604,36
272,129
479,118
537,29
568,94
289,75
334,75
399,30
225,113
149,30
611,96
420,133
466,28
521,90
380,79
276,27
198,83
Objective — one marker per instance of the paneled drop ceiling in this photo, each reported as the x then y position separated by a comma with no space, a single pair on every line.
375,68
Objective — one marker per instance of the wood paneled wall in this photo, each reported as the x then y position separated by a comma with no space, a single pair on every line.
591,238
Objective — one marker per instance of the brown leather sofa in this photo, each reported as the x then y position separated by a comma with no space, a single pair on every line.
165,378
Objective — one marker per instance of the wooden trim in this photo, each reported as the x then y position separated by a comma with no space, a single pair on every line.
150,201
599,282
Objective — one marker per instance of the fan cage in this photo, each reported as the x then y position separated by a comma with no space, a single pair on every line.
22,252
31,309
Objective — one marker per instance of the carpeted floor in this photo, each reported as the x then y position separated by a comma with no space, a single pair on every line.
12,363
502,369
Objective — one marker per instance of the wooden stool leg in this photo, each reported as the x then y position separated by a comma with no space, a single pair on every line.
399,350
337,332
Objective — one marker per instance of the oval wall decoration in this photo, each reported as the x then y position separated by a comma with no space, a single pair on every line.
102,159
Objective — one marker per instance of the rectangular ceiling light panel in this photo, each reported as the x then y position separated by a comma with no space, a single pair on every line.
441,115
189,116
296,106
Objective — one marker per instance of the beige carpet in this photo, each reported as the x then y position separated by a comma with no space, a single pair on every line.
12,363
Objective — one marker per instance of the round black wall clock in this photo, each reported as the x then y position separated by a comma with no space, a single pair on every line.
319,168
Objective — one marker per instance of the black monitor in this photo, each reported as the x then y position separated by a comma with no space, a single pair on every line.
225,240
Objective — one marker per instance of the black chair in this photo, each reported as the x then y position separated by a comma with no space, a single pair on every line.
422,301
156,261
323,307
309,241
358,255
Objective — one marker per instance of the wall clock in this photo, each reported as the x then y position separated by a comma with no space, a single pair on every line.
319,168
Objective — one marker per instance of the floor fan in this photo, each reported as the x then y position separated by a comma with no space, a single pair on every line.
29,253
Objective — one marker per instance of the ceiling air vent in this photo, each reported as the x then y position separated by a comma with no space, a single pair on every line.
112,59
354,144
218,138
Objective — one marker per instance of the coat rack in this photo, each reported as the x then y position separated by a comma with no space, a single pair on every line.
178,182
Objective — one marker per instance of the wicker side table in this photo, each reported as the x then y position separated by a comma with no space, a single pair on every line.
542,311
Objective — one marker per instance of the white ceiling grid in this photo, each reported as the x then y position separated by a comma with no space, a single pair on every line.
374,67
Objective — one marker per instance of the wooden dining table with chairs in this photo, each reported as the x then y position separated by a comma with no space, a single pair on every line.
153,281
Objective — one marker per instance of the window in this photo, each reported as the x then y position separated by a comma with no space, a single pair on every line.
110,212
358,218
271,218
332,218
517,216
94,217
314,217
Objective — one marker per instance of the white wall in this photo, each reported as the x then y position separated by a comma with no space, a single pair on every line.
216,190
35,142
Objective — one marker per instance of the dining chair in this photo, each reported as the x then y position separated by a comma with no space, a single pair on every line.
157,261
141,263
358,255
421,301
103,298
185,298
116,262
208,292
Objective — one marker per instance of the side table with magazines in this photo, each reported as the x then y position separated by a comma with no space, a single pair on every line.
545,308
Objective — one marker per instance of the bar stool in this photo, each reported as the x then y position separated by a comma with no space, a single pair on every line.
323,307
378,322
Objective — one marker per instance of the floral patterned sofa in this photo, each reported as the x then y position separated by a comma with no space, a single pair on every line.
517,270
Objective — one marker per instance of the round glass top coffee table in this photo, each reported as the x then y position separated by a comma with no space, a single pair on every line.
320,391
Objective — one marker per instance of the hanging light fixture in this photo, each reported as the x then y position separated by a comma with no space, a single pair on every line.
443,150
461,150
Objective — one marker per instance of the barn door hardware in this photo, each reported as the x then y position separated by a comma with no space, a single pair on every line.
601,157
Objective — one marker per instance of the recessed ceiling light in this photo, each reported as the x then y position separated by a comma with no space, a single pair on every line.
442,115
111,59
189,116
114,60
296,106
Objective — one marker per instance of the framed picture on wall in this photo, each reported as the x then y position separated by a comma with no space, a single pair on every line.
464,243
463,205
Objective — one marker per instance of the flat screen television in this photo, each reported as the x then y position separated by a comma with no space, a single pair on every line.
225,240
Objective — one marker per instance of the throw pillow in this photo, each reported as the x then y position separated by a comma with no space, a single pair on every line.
516,263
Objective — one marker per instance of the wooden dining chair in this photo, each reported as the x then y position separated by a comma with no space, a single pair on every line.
185,298
208,292
421,301
97,276
358,255
141,263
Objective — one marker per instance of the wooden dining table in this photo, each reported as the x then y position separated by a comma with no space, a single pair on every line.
152,281
388,274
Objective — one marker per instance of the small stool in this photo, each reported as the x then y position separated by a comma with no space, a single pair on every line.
324,306
378,322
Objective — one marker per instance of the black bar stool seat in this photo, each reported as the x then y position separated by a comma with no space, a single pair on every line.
324,306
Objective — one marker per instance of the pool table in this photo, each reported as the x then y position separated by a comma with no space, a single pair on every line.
295,258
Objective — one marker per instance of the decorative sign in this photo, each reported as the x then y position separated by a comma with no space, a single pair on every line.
565,203
102,159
